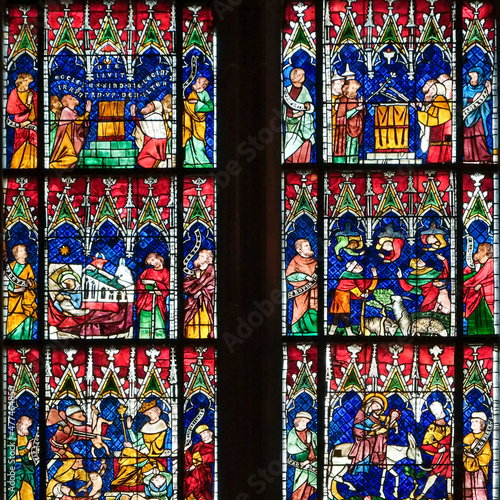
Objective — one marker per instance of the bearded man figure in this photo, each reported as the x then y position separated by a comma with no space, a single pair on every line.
152,134
301,274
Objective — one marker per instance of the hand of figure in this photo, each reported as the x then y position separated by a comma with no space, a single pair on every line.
29,445
399,273
374,271
133,110
440,256
25,123
197,294
364,295
29,98
307,105
298,114
158,292
129,422
88,106
127,444
442,449
193,467
487,84
193,101
478,287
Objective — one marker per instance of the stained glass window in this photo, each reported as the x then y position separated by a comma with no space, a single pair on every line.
389,250
110,282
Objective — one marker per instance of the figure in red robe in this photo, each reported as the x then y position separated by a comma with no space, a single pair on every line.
22,105
390,243
200,294
426,282
370,432
349,125
301,274
200,458
153,288
479,291
153,136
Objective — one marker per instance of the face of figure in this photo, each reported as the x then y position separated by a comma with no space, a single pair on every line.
305,250
206,436
65,490
476,425
23,85
420,263
388,246
431,239
69,284
430,93
153,414
200,84
300,423
21,254
358,268
337,86
474,78
203,261
149,108
78,463
437,409
483,254
298,77
158,481
375,407
24,425
155,262
70,101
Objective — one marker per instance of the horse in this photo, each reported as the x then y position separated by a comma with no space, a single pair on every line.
339,462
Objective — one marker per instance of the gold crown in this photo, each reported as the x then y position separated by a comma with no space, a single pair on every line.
147,405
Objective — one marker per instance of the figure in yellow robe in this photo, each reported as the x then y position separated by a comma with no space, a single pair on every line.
22,297
477,458
70,470
140,455
194,124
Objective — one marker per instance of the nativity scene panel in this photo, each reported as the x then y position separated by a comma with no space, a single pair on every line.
111,258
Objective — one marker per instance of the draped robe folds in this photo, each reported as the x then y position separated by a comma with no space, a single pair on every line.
144,302
348,130
70,138
199,312
437,118
156,144
422,284
476,469
25,140
350,286
194,128
198,482
148,446
368,447
476,124
479,304
305,482
21,305
66,474
24,476
438,435
299,132
305,305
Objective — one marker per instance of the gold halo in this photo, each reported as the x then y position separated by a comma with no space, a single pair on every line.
375,395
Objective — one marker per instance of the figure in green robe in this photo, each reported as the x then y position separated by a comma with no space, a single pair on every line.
302,444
